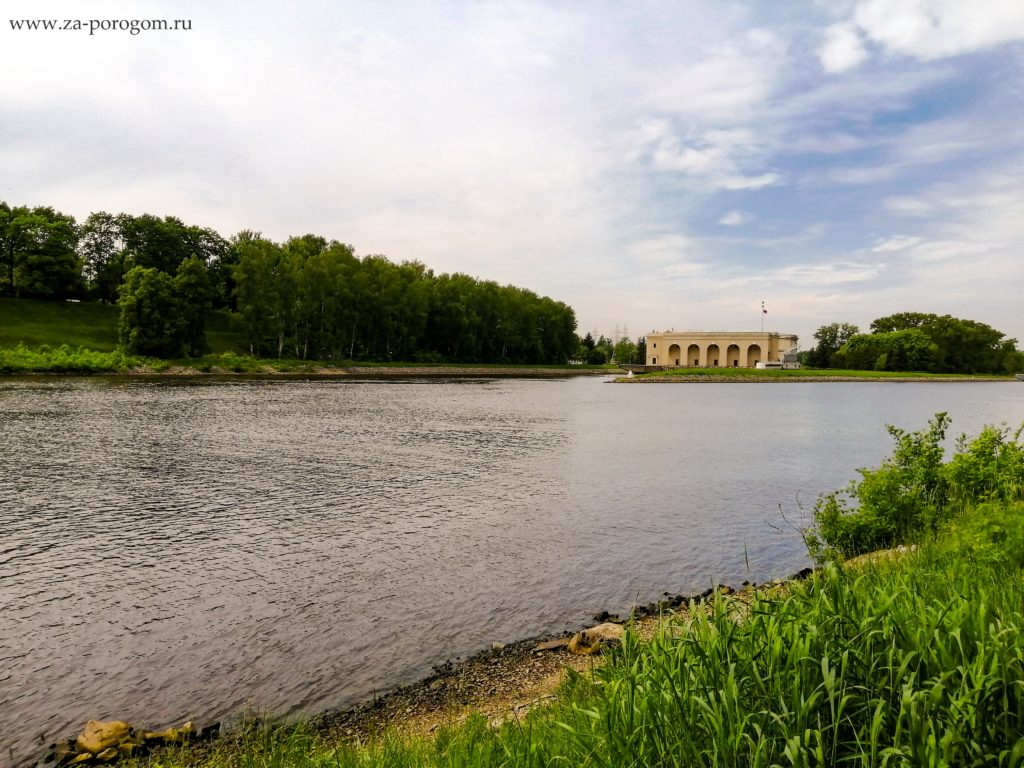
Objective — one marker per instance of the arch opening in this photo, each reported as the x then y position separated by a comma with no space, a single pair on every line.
714,356
753,355
732,356
693,355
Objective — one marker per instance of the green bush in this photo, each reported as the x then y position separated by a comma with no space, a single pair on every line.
988,468
913,491
903,496
63,359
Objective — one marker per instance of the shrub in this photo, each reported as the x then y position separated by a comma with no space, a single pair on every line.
903,496
63,359
988,468
913,491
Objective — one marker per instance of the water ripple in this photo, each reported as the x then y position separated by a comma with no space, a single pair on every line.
192,549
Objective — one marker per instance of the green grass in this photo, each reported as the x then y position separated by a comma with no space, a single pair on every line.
64,359
224,334
89,325
807,373
912,661
54,323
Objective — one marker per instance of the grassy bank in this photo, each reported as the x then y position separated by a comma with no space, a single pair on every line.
801,374
64,359
70,337
89,325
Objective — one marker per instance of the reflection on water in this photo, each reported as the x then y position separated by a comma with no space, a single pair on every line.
192,549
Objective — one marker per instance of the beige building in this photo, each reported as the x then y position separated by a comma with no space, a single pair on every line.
719,349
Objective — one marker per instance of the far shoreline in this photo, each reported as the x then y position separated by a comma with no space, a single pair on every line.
754,379
268,372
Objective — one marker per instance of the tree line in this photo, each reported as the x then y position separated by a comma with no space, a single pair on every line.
308,297
917,341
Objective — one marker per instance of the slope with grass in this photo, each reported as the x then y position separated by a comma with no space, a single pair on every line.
89,325
73,337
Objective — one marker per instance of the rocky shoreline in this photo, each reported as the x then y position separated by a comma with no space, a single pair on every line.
502,682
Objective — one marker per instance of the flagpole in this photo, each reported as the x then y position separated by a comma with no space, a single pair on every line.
762,317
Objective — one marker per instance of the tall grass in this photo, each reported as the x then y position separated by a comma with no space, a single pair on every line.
63,359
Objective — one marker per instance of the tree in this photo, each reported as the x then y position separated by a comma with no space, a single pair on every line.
909,349
150,322
452,323
830,338
195,299
255,295
37,250
601,353
308,298
901,321
1015,362
625,352
962,346
155,243
13,239
101,249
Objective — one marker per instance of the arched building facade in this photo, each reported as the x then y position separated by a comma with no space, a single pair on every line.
718,349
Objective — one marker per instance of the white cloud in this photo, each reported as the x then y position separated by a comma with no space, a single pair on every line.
923,29
734,218
944,250
864,175
721,158
907,205
749,182
663,249
824,274
834,143
714,84
842,48
682,269
895,243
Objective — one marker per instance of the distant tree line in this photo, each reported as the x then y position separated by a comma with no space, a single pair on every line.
916,341
603,350
308,297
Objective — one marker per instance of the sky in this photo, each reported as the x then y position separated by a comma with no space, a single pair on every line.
655,165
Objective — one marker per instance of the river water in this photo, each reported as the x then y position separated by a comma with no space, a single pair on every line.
199,548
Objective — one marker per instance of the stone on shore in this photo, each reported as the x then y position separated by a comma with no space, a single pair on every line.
592,641
107,742
99,736
172,735
553,645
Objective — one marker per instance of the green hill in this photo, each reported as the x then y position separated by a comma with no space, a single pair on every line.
90,325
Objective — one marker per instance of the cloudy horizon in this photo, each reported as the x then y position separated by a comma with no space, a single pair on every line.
655,164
